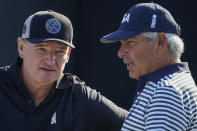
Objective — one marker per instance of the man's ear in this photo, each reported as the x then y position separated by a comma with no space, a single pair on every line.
68,53
20,43
162,41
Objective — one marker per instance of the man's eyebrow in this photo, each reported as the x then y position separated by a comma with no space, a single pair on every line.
128,40
63,47
40,45
124,40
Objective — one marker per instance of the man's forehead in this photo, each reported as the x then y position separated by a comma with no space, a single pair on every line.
51,43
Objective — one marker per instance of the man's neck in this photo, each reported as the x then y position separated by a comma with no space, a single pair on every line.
38,93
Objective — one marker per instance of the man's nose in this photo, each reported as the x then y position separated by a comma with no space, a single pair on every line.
51,58
122,52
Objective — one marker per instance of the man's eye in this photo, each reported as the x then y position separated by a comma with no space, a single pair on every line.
130,43
42,49
60,52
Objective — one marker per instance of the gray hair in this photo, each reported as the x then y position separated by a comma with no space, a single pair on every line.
175,43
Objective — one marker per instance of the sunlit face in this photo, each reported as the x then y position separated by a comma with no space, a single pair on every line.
43,62
138,54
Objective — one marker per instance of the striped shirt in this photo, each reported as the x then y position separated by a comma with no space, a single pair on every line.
167,102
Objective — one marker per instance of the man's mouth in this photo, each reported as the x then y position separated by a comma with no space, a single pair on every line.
48,69
129,66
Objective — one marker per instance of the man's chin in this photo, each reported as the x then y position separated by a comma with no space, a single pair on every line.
133,75
48,79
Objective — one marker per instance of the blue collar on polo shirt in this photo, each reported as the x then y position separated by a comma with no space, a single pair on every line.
158,74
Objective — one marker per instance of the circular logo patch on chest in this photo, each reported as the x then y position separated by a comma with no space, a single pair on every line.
53,26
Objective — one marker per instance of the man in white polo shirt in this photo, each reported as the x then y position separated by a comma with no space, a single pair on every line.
151,47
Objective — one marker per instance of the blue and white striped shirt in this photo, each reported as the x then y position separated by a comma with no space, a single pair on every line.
166,102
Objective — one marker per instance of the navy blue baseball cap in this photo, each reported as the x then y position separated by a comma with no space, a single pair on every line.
48,26
143,17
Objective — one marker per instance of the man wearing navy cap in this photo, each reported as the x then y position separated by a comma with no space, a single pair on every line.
166,96
35,94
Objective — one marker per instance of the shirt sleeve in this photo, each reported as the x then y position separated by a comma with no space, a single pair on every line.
108,115
101,114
